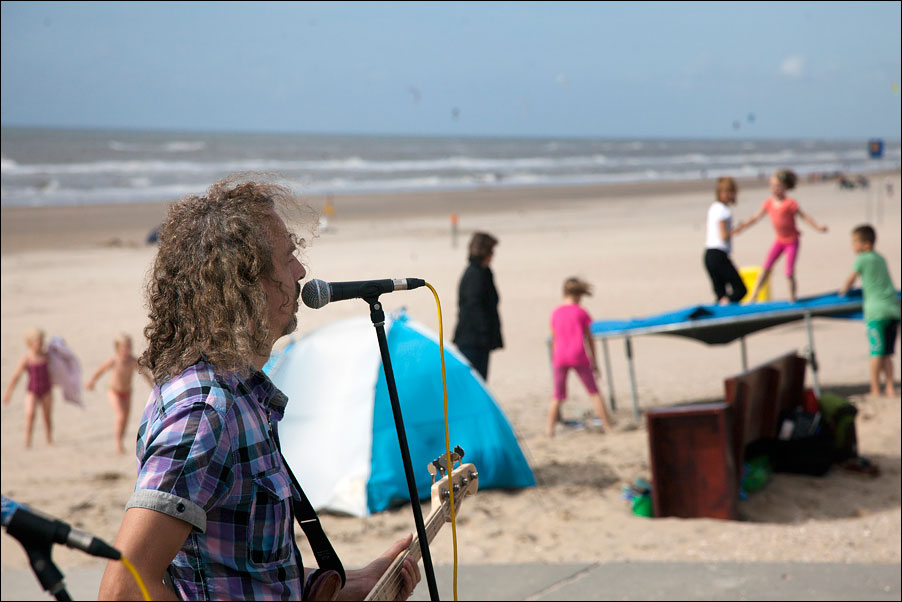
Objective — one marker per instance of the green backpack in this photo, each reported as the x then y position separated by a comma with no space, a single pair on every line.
839,415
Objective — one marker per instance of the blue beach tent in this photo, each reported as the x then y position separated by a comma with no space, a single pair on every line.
339,435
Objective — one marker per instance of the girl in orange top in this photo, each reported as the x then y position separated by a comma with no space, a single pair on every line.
783,211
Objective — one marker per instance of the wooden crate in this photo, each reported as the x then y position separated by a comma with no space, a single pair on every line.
693,467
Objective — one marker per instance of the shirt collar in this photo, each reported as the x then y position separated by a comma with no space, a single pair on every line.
260,388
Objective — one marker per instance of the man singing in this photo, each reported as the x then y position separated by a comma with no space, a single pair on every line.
212,508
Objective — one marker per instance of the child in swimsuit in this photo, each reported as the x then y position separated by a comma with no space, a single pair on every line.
783,211
124,364
38,392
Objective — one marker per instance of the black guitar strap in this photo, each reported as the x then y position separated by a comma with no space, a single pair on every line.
325,555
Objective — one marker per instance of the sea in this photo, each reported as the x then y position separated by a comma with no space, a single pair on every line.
42,167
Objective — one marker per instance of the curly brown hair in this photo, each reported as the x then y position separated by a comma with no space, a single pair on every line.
205,295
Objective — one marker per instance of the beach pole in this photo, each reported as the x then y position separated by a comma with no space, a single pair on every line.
607,370
745,354
812,358
868,205
453,230
629,359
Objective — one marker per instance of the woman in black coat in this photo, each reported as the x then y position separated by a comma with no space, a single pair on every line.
478,325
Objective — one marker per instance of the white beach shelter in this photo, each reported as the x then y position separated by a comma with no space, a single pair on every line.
338,433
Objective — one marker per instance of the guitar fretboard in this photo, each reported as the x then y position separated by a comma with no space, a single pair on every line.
390,584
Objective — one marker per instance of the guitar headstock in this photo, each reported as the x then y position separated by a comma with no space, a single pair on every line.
464,479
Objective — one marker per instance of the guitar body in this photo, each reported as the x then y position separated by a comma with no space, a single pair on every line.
324,585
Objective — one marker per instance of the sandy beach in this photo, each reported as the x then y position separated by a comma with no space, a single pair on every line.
78,272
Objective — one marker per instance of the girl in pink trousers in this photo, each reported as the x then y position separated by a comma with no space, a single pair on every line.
571,338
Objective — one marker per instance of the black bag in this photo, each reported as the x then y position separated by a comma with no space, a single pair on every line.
804,446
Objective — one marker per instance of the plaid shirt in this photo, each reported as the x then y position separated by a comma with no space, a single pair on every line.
207,456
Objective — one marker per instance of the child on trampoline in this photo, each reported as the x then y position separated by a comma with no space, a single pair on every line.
782,210
721,270
570,338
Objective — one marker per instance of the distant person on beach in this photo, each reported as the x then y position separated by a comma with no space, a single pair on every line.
881,306
718,245
215,505
124,365
783,211
38,392
478,329
570,338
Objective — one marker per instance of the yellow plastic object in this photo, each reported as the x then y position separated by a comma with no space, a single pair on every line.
749,275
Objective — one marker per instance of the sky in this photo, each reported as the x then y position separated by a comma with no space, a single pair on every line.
581,69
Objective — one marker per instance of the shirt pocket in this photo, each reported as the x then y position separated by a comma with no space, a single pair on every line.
270,529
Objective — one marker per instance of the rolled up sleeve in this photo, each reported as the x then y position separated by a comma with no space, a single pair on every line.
186,467
172,505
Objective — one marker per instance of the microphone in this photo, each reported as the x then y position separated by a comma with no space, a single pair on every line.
32,527
318,293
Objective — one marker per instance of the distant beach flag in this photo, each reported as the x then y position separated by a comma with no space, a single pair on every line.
875,148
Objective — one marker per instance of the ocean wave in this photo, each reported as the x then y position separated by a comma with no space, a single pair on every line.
356,164
52,192
177,146
7,165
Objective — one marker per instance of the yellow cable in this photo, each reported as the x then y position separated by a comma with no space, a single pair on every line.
441,346
131,569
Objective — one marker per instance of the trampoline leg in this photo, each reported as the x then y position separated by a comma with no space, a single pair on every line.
745,354
610,377
812,358
551,358
629,358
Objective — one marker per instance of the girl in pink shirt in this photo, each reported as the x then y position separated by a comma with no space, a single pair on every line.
570,338
783,211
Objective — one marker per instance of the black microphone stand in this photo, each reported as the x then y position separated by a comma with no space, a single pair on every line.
49,576
377,315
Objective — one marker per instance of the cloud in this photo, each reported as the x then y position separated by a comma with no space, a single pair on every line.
793,66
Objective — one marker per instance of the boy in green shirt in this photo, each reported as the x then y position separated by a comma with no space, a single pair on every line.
881,305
